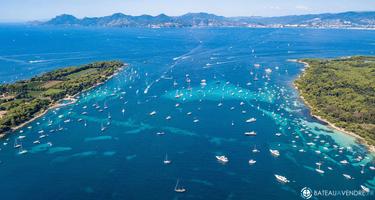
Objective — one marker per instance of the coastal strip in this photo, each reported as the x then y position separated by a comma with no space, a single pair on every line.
49,90
314,110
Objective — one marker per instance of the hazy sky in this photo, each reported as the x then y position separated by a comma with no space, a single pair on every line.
24,10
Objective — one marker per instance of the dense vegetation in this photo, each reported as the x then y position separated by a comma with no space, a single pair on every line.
343,92
23,100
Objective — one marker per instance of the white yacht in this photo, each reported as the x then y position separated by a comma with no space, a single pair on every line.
281,179
203,82
344,162
223,159
42,136
365,189
347,176
251,120
251,133
21,137
251,162
36,142
152,113
275,152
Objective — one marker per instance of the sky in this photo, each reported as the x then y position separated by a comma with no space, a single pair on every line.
27,10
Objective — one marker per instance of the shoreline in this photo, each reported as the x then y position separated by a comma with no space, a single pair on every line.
58,104
359,139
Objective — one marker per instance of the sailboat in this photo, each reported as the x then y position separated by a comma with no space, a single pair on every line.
166,161
42,135
363,169
16,145
179,189
102,127
60,128
318,169
255,150
21,150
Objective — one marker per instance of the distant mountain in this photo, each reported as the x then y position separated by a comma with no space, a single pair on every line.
326,20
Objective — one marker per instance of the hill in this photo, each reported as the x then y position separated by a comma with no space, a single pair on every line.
327,20
342,91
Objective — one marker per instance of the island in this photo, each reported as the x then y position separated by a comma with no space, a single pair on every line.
26,100
341,92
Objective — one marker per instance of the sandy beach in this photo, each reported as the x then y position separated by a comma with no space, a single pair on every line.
72,99
360,139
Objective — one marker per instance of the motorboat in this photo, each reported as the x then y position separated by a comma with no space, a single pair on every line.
281,179
347,176
275,152
222,158
251,120
365,189
251,162
251,133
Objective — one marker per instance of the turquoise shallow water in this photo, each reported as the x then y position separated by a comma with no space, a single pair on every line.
125,161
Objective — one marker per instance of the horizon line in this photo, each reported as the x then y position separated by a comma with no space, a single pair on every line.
32,20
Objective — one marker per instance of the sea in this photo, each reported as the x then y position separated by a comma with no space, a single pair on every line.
187,95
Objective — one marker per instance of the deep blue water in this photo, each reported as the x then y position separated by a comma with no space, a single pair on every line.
126,160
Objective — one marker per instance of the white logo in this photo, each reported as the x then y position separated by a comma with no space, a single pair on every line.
306,193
